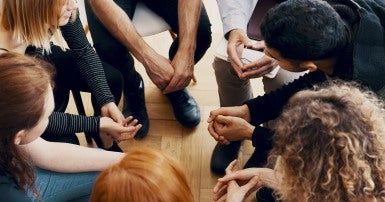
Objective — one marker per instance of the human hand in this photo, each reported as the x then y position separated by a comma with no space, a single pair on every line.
258,68
231,129
237,190
183,64
112,111
235,45
117,131
159,69
237,111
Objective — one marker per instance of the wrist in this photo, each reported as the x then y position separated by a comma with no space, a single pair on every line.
102,124
250,132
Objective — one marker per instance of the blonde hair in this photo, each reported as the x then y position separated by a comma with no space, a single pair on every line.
33,22
144,175
331,143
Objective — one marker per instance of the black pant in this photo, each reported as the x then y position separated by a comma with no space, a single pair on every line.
114,53
69,78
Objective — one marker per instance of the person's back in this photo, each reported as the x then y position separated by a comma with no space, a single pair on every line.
145,175
331,145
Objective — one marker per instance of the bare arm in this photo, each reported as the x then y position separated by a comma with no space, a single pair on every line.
183,62
63,157
120,26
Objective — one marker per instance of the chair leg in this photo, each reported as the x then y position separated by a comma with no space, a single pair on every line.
81,111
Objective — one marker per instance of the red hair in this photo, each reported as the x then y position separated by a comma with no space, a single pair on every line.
144,175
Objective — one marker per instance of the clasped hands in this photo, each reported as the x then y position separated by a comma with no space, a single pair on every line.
239,184
115,125
230,124
237,41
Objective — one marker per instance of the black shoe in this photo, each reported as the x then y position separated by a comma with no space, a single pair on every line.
115,147
223,155
135,105
257,159
265,194
186,109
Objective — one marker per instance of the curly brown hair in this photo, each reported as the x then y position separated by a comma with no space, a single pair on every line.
331,145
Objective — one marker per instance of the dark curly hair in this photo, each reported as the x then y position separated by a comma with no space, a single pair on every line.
305,30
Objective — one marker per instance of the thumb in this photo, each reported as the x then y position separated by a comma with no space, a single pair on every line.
222,119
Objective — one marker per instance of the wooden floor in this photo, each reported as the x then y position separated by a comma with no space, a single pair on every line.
192,147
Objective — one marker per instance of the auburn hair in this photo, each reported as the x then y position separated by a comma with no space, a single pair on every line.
24,85
145,175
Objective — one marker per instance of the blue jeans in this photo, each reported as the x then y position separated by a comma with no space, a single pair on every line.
54,186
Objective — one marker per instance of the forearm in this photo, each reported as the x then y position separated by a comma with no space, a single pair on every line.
121,27
188,19
63,157
63,123
87,61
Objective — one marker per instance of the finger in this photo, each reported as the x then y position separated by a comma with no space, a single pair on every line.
127,120
130,134
222,191
230,167
172,85
225,142
233,55
212,132
133,122
218,186
255,73
259,45
237,68
224,120
235,175
251,186
212,115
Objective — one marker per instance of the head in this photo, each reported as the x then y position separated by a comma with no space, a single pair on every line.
144,175
297,31
34,21
26,101
331,143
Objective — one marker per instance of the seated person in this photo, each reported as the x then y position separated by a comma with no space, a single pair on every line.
233,78
144,175
115,39
298,40
31,167
329,144
27,31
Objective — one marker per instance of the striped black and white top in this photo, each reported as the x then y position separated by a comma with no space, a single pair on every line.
90,67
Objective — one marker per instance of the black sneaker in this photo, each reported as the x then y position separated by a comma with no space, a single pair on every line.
135,105
186,109
223,155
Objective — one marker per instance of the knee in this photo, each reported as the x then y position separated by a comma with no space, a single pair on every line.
204,38
114,78
110,51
